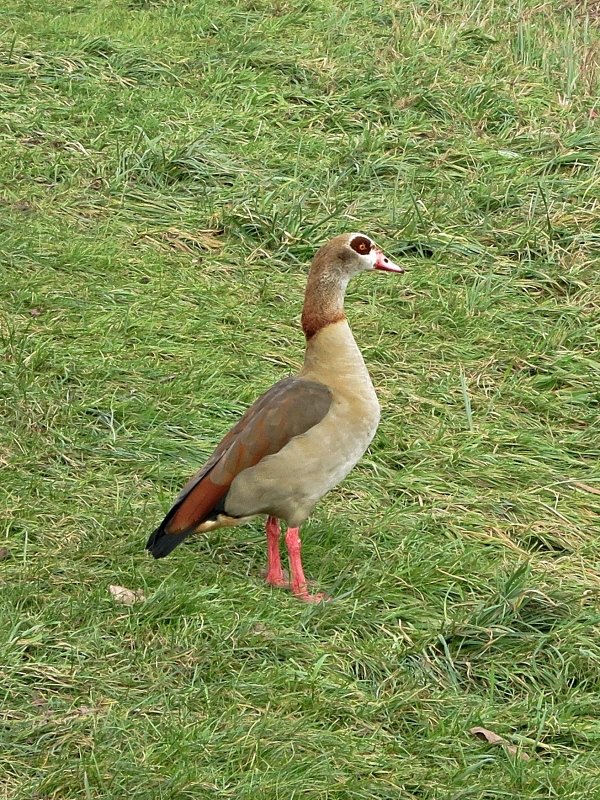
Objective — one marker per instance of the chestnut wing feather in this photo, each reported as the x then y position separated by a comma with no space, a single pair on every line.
288,409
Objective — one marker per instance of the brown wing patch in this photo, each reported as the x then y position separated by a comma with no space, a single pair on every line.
294,411
196,505
288,409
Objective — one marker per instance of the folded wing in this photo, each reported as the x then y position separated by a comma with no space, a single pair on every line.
288,409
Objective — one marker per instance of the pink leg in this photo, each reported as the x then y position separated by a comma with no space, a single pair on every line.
298,583
274,574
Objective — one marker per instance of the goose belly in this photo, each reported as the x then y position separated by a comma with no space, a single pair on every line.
289,483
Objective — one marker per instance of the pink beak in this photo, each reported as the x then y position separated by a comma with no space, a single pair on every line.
383,262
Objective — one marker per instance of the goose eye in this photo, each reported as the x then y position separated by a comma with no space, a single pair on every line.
361,245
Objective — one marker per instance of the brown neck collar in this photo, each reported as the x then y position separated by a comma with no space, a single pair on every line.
324,298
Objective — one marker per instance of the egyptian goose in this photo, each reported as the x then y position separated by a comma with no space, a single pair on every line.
298,440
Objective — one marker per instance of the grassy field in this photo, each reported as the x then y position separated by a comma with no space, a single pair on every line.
167,170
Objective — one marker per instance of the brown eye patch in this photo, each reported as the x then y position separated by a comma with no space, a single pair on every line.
362,245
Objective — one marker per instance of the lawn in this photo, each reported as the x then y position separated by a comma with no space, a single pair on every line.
167,170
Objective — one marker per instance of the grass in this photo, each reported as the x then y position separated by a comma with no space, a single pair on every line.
167,170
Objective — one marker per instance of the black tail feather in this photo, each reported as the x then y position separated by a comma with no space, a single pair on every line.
161,543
